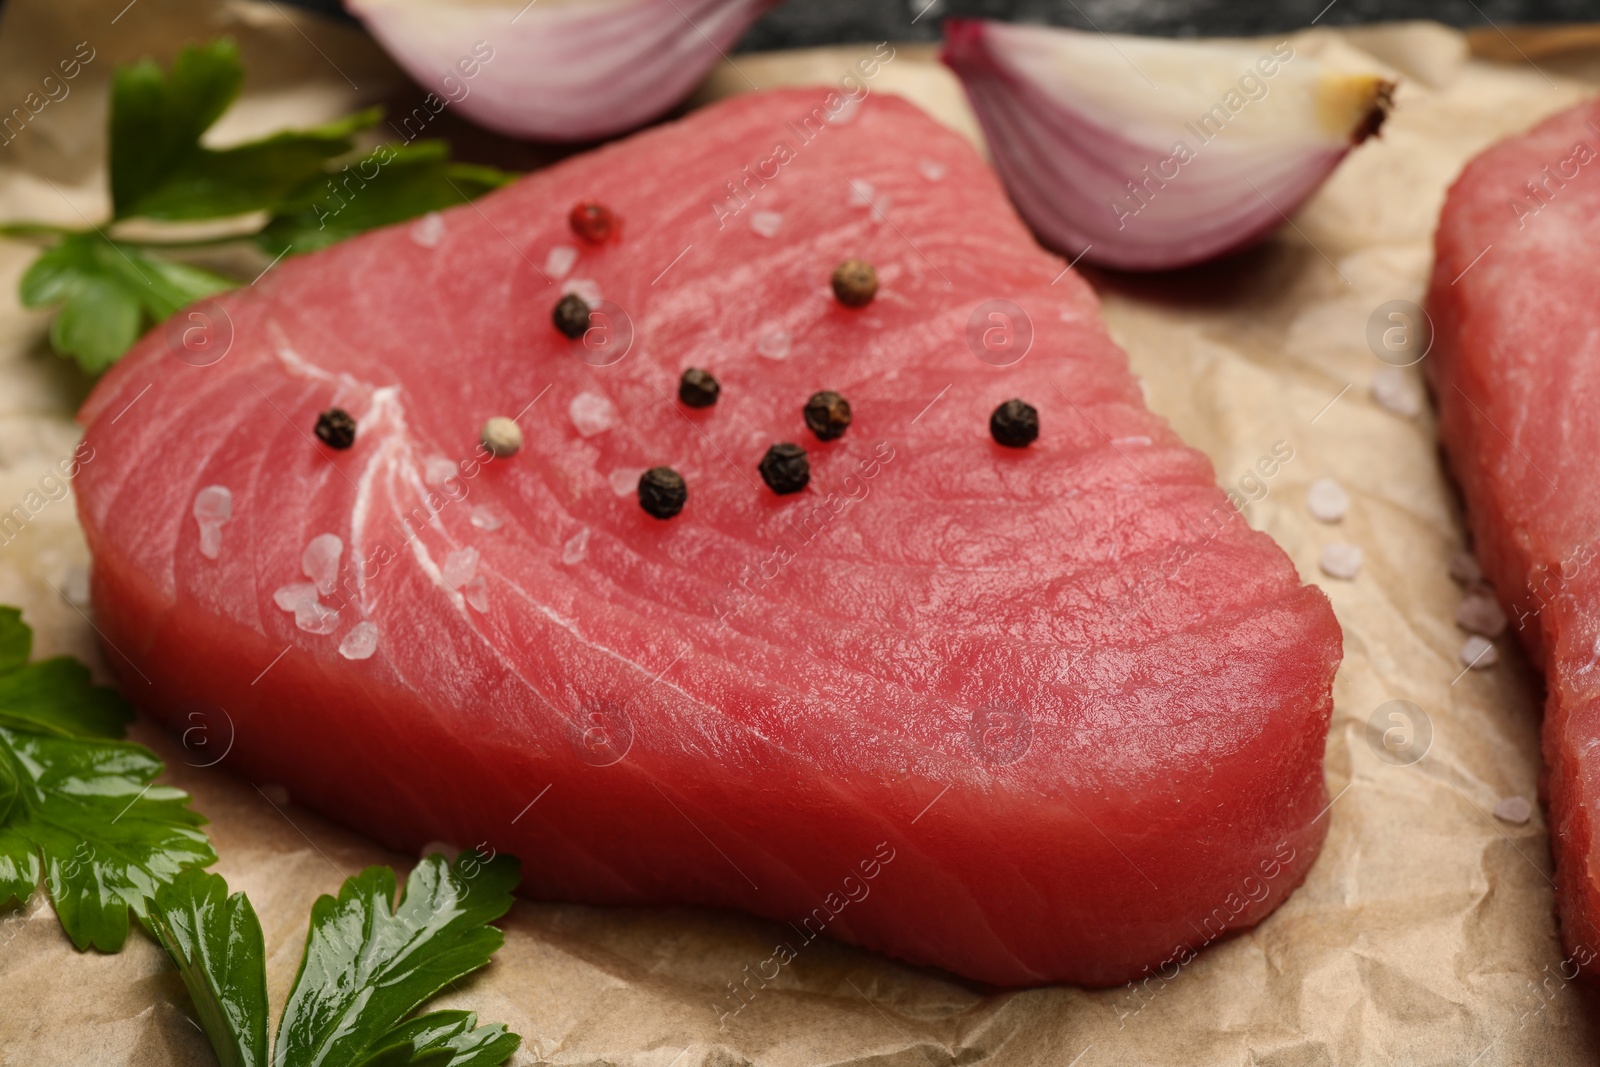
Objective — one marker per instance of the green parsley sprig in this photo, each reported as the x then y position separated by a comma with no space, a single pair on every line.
368,965
78,808
77,805
292,192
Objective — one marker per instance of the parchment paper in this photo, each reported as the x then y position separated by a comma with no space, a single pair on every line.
1424,934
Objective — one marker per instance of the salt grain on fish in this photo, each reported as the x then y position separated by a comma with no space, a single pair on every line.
591,414
320,561
766,223
576,549
213,506
361,642
559,261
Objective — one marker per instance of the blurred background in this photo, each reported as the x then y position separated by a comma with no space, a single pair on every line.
802,23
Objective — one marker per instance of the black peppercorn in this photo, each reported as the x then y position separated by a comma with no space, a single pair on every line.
662,492
698,389
336,429
828,415
785,468
571,316
855,283
1014,424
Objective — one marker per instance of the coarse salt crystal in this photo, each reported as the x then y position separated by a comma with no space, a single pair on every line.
1479,653
1340,560
477,593
576,550
320,561
214,503
587,288
591,413
438,470
559,260
428,231
773,342
459,567
932,169
1480,613
625,480
1395,392
213,506
846,113
766,223
361,642
290,597
1513,809
1327,500
484,518
1464,568
315,618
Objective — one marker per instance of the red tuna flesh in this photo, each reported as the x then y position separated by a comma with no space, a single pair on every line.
1516,369
1028,714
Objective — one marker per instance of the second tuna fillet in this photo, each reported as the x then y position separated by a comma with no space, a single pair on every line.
1516,368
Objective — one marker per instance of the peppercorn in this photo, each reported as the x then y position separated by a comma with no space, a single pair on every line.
501,436
336,429
828,414
1014,424
571,315
698,389
785,468
662,492
855,283
594,222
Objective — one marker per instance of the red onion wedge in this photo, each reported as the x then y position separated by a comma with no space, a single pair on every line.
559,70
1147,154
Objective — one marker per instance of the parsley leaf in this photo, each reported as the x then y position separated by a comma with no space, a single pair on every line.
388,185
54,695
446,1038
157,119
76,807
109,291
367,965
160,170
215,939
309,189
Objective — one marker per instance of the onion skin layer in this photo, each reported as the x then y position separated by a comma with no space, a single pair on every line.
1090,188
572,71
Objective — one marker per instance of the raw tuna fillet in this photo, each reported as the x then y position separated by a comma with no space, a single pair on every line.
1516,369
1029,714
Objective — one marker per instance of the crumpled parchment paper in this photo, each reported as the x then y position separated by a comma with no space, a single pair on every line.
1424,934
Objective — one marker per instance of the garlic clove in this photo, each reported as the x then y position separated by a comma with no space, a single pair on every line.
557,70
1148,154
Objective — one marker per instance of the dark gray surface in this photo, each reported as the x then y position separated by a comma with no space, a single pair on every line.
803,23
812,22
